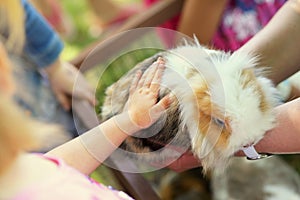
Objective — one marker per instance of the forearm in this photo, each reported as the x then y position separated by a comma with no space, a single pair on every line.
278,43
58,69
75,155
50,69
201,17
89,150
285,137
106,10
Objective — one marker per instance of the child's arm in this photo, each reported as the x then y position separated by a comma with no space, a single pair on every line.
278,44
89,150
201,18
285,137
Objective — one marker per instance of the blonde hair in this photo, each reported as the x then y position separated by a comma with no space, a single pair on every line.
6,82
18,132
15,131
12,23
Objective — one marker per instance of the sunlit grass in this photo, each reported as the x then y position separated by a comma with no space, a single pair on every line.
86,29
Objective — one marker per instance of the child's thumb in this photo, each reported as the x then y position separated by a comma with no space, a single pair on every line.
161,106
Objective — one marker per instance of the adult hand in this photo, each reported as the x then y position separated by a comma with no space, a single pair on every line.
62,77
185,162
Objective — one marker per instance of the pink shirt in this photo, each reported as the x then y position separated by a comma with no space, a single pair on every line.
68,183
241,20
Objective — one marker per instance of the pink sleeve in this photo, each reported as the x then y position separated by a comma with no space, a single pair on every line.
68,183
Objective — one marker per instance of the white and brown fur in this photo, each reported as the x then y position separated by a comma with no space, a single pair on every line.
216,92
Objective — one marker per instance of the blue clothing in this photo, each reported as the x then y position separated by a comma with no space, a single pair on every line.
34,94
43,46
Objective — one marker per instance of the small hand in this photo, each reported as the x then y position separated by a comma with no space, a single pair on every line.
62,77
143,108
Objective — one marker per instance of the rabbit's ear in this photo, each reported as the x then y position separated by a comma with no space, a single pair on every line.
196,41
191,42
240,60
249,80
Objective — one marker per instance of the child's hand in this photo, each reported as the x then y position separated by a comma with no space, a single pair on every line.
143,108
62,77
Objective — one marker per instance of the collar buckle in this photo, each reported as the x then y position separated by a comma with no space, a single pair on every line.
252,154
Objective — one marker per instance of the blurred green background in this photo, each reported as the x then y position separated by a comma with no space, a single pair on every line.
85,25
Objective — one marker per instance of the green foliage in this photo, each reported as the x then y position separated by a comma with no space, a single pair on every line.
81,19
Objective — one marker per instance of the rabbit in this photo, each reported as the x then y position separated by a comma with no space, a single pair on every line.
222,103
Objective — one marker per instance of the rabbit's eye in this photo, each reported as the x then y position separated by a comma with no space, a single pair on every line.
219,122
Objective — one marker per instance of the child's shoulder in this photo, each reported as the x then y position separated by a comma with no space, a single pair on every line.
64,182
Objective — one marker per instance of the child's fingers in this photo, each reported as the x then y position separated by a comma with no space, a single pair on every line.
135,81
155,83
161,106
63,100
151,74
147,75
165,102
